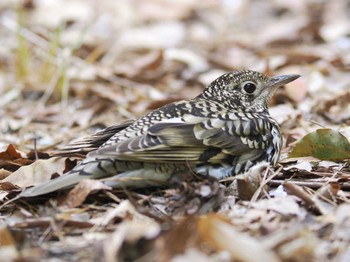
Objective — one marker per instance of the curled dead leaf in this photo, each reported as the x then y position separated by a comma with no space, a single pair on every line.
249,182
79,193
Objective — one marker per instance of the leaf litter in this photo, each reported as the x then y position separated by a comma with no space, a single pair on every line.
72,68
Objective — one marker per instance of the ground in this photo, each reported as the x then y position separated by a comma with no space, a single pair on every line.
71,68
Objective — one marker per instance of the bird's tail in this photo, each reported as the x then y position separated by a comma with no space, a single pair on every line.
65,181
90,168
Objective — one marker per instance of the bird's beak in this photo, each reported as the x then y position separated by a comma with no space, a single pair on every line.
277,81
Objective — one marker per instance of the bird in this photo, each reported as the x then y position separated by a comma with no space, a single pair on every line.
222,132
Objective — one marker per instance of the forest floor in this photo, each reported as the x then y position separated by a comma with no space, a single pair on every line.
71,68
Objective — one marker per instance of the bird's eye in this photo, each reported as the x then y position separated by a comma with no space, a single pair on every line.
249,88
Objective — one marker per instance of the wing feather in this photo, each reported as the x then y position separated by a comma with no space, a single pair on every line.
90,143
182,141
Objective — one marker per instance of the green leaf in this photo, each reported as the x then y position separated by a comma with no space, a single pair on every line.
324,144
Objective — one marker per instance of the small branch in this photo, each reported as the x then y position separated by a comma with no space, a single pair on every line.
313,185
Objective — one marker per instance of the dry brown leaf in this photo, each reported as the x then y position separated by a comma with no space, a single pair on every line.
329,192
134,227
249,182
127,232
38,172
8,250
336,109
222,235
82,70
179,238
10,153
302,165
79,193
195,197
122,210
7,186
194,62
141,65
6,238
11,159
4,173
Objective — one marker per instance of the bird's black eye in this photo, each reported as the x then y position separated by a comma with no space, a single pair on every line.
249,88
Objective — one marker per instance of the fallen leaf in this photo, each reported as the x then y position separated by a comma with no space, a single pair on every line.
7,186
8,250
181,239
219,233
325,144
4,173
38,172
6,238
134,227
336,109
329,192
79,193
10,153
283,205
301,165
34,155
11,159
150,62
249,182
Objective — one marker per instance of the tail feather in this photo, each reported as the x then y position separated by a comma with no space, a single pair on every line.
117,174
59,183
90,168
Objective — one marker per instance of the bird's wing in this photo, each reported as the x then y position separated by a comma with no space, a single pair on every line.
90,143
196,140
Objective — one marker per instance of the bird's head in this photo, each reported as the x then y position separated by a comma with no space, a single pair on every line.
246,90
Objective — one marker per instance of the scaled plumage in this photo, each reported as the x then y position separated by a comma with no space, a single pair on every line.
222,132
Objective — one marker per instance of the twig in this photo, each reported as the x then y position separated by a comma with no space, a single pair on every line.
313,185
